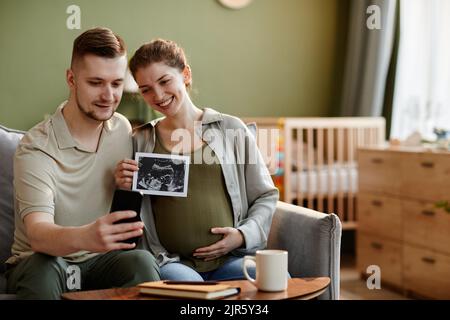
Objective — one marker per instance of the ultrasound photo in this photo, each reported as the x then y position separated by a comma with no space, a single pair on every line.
161,174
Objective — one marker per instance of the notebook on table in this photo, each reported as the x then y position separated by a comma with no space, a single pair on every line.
190,291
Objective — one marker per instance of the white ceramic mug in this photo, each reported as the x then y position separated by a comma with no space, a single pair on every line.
271,270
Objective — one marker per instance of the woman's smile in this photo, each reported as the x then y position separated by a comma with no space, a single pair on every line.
165,103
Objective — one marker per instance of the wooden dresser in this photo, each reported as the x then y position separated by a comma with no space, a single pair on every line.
399,227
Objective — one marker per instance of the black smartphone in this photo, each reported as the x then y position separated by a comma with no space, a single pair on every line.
127,200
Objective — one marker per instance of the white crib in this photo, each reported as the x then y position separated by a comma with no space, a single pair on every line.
319,169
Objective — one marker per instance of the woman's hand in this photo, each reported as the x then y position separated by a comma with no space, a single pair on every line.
123,175
232,239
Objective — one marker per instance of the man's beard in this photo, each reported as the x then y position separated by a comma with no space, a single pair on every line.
91,114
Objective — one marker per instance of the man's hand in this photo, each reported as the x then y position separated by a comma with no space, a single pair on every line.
232,239
103,235
123,175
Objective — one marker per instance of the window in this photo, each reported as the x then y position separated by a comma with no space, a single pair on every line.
422,86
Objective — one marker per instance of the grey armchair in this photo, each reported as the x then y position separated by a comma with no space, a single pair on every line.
313,242
312,239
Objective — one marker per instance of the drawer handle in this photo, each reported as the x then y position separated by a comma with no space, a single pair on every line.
377,160
377,203
427,164
428,213
376,245
428,260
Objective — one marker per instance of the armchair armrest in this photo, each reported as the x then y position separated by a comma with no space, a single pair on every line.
313,242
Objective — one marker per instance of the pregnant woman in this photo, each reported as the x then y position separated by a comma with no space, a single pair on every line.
231,197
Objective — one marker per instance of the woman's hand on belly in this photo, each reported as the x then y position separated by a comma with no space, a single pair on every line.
232,239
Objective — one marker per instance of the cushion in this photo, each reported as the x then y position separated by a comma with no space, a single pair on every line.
9,139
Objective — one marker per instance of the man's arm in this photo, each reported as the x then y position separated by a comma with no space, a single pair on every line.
101,235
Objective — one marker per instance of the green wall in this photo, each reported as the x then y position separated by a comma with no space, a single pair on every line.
272,58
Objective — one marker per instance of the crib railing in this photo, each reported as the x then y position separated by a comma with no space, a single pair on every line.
268,135
320,165
313,160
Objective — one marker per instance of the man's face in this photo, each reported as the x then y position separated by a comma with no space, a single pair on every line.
96,83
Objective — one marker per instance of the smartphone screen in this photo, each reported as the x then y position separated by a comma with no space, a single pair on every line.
127,200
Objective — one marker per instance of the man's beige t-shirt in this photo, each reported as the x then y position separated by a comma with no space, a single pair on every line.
54,174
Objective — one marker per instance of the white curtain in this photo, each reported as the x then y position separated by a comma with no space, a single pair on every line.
422,85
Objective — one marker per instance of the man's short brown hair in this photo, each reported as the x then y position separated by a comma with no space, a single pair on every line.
98,41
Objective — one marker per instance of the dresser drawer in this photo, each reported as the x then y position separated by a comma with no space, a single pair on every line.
380,215
373,250
426,176
426,226
379,171
427,273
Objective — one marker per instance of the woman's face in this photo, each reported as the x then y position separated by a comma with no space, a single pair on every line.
163,87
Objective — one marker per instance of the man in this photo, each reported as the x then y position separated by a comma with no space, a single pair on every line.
65,238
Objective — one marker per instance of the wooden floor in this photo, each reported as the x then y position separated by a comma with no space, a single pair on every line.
354,288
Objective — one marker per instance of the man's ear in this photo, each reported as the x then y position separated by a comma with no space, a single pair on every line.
187,75
70,78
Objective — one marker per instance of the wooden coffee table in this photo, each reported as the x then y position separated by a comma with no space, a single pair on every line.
298,288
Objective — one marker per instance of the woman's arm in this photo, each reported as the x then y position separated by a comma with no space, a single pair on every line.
261,195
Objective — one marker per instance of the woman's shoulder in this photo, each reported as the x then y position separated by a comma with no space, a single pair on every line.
146,129
229,121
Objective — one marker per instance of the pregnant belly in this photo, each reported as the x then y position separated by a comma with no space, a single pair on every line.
185,239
